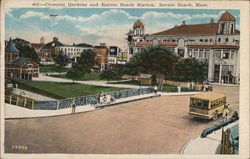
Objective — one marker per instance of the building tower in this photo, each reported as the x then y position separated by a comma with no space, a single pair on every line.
226,24
138,30
11,52
42,40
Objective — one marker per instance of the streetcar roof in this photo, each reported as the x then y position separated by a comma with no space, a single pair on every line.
208,96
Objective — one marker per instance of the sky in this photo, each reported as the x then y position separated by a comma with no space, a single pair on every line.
98,25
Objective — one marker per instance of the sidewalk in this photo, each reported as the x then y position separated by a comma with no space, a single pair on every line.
13,111
32,95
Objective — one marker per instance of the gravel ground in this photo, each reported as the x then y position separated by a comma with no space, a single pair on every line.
157,125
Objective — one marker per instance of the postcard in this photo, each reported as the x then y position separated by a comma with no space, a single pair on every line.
124,79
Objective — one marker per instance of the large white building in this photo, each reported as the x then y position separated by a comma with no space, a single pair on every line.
215,43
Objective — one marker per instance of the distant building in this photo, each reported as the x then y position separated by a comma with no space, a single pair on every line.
48,51
214,43
17,67
73,51
102,55
39,46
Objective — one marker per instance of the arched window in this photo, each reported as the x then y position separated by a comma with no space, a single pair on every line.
222,28
141,31
232,28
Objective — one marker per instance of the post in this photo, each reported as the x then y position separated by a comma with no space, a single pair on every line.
25,100
57,106
33,104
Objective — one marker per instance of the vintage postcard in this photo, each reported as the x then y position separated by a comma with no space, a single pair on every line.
124,79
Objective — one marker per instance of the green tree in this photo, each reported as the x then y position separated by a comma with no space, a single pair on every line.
109,74
27,52
74,74
86,61
190,69
157,61
61,60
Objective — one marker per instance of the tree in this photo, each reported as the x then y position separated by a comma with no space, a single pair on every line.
27,51
74,74
109,74
61,60
190,69
86,61
157,61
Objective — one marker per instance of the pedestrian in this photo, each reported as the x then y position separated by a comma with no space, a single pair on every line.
235,115
225,112
155,89
179,89
191,86
73,108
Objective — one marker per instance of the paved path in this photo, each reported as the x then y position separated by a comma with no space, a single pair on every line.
13,111
95,83
33,95
157,125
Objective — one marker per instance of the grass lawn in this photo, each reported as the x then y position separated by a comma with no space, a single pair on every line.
63,90
87,76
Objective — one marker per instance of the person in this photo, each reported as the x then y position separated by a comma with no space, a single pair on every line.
155,89
235,115
191,86
179,89
73,108
225,112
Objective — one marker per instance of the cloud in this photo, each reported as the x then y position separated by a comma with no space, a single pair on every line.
109,26
30,14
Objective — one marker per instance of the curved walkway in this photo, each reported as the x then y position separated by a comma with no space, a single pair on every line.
17,112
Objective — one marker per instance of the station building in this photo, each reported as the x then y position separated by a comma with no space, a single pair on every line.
214,43
18,67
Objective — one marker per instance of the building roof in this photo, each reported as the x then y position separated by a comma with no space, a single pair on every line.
193,29
19,61
208,96
138,24
227,17
10,48
55,42
84,45
214,46
37,45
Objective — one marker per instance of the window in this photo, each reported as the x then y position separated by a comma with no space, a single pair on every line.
206,53
217,54
232,54
219,39
201,53
173,40
225,54
226,40
201,40
206,40
195,52
211,40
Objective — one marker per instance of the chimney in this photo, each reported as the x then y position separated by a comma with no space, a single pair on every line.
211,20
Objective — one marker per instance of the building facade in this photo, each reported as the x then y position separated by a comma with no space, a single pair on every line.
214,43
17,67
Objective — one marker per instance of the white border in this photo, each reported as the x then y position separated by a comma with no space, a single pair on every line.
243,6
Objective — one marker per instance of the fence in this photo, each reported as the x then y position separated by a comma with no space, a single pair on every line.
81,101
20,101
